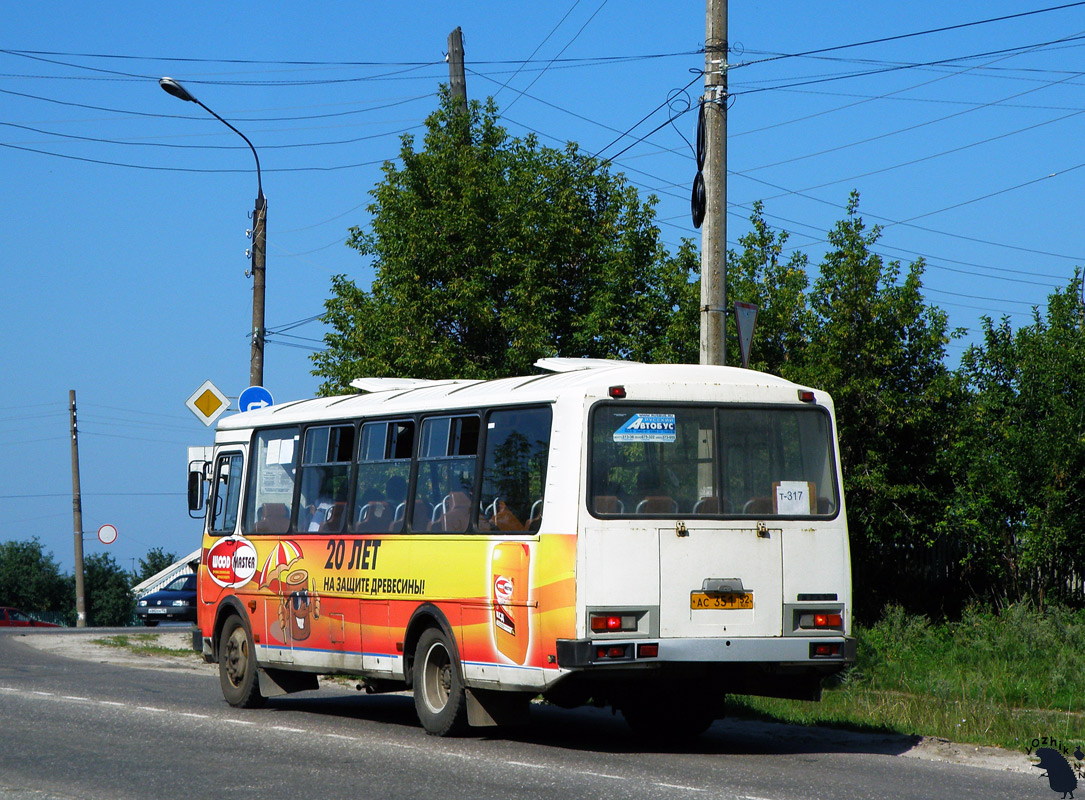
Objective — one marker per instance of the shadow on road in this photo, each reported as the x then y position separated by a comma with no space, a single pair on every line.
597,730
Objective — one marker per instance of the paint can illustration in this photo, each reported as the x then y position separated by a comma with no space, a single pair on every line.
508,593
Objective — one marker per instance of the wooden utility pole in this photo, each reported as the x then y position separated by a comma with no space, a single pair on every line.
259,238
77,516
457,78
714,230
259,272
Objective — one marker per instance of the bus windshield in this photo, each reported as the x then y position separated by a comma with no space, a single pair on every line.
686,460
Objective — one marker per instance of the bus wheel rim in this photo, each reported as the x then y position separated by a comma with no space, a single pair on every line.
437,678
237,660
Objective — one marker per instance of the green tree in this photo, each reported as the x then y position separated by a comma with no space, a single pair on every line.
490,252
757,274
154,562
879,349
30,578
108,600
1020,503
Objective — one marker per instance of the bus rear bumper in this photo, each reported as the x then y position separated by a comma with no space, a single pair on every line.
830,652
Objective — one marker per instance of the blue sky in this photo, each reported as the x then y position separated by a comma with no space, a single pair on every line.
124,210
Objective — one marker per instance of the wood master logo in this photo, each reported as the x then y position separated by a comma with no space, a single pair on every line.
231,562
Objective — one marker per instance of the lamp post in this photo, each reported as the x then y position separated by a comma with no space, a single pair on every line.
259,239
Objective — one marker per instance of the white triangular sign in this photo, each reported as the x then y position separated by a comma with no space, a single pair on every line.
746,318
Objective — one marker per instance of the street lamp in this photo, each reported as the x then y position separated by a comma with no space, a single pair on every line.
259,238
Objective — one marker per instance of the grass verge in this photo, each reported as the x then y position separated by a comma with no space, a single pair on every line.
994,678
144,644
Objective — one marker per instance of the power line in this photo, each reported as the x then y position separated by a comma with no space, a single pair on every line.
291,325
887,222
156,115
155,168
133,143
932,122
927,258
588,60
562,50
536,50
930,259
901,36
990,194
898,68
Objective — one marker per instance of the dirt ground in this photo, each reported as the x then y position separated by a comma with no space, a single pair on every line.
88,646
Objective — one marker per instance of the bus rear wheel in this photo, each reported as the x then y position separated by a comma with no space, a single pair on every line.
237,666
439,697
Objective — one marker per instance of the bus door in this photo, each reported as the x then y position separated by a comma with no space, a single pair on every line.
720,581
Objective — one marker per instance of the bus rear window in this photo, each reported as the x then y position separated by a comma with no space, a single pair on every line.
702,461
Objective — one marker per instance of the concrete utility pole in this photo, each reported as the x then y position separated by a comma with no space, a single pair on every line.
77,516
457,78
714,230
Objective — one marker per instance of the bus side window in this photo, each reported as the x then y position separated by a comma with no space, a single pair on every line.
271,481
384,466
325,478
446,474
514,469
226,493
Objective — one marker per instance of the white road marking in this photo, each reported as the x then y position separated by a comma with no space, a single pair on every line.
342,737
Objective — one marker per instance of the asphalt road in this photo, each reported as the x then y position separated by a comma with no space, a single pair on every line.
76,728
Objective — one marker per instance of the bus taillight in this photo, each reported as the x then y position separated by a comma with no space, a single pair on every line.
818,650
825,620
612,623
606,652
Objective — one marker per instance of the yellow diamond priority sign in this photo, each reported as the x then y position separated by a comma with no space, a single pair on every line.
208,403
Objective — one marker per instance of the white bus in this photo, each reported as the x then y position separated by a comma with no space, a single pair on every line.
652,537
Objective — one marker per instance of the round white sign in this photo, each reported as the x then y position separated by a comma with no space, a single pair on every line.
107,534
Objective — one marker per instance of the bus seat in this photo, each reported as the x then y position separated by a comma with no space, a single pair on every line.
397,518
535,521
758,505
333,523
373,517
273,518
503,519
707,505
608,504
451,514
657,504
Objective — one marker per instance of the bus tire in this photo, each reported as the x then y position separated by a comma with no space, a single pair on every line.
439,697
237,666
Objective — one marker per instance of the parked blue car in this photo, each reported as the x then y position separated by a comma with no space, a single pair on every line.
176,602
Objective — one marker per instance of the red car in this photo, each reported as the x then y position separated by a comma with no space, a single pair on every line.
13,617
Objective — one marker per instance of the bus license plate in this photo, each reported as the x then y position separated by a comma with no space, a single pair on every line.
702,600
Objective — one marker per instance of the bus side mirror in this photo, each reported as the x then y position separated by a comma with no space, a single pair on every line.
196,487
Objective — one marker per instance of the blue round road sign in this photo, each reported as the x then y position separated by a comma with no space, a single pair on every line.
253,398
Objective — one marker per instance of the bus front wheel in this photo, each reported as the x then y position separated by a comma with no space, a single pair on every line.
439,697
237,666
